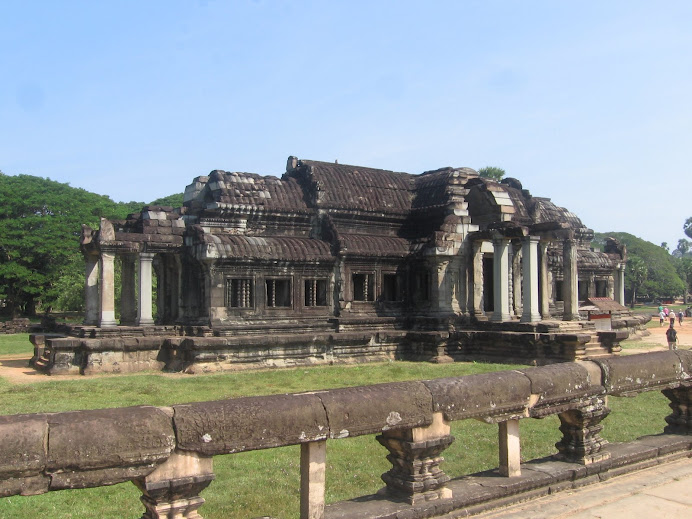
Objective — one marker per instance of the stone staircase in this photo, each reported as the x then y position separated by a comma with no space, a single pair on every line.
593,348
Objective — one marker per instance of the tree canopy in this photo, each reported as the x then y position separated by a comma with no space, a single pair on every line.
492,173
40,223
662,279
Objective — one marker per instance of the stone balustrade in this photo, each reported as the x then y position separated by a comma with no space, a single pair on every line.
167,452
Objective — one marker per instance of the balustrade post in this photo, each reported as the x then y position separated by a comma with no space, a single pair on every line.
313,461
415,457
510,448
581,439
680,420
172,490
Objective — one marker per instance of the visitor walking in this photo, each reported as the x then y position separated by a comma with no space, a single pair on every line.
680,316
671,316
672,337
661,316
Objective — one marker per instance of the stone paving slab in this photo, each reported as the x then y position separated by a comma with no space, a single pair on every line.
660,491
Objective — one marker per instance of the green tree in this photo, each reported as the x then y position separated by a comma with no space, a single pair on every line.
682,248
492,173
175,200
662,278
687,227
636,274
684,267
40,222
664,246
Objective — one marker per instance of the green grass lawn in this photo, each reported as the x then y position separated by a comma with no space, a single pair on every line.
252,484
15,343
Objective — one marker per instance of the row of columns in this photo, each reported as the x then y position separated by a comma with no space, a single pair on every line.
100,290
532,271
535,308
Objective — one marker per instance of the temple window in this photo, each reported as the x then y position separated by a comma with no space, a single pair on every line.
363,287
278,293
239,293
315,292
391,287
601,288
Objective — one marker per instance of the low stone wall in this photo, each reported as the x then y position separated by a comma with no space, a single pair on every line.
129,349
167,452
20,325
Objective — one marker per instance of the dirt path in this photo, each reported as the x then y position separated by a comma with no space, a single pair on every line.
15,369
658,334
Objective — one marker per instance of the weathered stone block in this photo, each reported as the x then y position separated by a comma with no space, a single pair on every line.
116,439
685,357
557,383
631,374
250,423
490,396
22,440
27,486
370,409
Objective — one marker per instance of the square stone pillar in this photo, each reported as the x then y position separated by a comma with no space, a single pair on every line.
680,420
415,457
442,285
172,490
477,280
570,284
501,280
529,269
107,272
128,305
91,290
510,448
581,429
144,307
620,284
313,462
545,282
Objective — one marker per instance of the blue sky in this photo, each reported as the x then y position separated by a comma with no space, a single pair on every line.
586,102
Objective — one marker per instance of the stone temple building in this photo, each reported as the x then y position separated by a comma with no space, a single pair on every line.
334,263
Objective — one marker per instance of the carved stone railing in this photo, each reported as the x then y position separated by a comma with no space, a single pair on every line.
167,452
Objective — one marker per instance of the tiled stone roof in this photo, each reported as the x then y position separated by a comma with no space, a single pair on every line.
605,304
382,246
265,248
225,191
355,188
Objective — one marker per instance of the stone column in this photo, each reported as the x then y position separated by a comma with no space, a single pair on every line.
501,280
581,429
107,290
620,284
570,286
128,306
515,274
530,280
680,420
477,279
91,290
462,284
172,490
442,286
510,448
545,282
313,462
144,308
415,456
